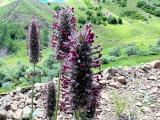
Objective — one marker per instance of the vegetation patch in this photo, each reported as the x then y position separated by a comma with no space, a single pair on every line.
148,8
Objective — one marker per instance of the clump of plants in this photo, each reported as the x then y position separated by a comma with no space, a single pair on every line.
133,15
148,8
121,3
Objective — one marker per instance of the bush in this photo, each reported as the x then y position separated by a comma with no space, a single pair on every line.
89,13
148,8
158,42
119,21
51,66
1,62
82,20
133,15
44,37
56,8
112,20
115,52
105,59
131,50
99,14
155,48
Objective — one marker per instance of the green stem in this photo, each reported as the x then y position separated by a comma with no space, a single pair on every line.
77,114
33,81
58,94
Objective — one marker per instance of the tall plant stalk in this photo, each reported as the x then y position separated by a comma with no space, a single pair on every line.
58,94
33,82
34,54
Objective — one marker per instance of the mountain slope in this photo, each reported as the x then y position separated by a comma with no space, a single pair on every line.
21,11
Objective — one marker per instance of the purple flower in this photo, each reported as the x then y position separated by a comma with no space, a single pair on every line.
81,89
34,43
64,29
51,100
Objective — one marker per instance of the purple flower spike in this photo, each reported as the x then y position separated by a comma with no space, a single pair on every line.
81,90
64,28
34,43
51,100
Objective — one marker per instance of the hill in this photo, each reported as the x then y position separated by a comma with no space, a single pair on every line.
142,33
21,11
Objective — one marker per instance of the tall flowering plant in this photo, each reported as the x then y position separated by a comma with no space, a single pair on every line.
64,29
81,87
51,100
34,53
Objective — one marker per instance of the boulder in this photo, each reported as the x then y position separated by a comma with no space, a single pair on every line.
26,112
3,115
114,85
18,114
121,79
112,71
156,64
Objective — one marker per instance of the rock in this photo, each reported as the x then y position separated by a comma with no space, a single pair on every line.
3,115
158,114
103,82
21,104
39,113
10,112
114,84
18,89
152,77
154,90
156,64
18,114
146,110
26,112
139,104
38,86
112,71
14,106
122,80
7,107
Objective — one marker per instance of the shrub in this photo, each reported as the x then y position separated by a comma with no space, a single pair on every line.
89,13
44,37
112,20
158,42
57,8
81,20
131,50
104,18
51,67
134,15
119,21
99,13
115,52
105,59
1,62
148,8
155,48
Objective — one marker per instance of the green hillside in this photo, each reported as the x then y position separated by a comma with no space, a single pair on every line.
21,11
143,34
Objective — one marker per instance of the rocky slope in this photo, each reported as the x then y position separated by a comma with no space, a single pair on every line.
132,93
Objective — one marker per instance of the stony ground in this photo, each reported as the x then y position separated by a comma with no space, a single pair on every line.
130,93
